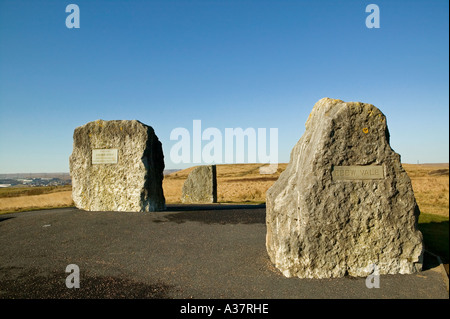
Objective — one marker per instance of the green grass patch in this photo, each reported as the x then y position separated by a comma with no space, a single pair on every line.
435,230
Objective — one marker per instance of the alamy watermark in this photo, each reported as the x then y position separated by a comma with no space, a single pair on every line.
225,148
373,280
73,19
73,279
373,19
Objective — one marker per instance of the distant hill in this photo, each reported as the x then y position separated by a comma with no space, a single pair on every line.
63,176
170,171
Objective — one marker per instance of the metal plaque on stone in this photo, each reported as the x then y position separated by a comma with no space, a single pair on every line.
105,156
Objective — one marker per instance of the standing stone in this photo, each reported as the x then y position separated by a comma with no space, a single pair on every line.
117,166
344,204
200,186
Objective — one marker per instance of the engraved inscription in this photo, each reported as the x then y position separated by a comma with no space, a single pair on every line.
104,156
357,172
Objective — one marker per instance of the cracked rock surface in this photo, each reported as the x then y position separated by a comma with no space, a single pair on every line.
200,186
320,226
132,183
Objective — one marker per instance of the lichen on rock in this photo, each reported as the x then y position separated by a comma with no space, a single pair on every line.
323,227
131,182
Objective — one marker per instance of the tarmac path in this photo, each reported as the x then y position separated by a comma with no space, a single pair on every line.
189,251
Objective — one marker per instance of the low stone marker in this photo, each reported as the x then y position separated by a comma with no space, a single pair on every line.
117,166
344,205
200,186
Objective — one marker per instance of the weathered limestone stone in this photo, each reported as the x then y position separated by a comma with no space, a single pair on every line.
344,204
200,186
117,166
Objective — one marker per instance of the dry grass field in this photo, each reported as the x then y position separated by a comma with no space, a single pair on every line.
236,183
16,199
431,187
240,183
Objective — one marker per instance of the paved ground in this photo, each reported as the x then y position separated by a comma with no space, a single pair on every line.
208,251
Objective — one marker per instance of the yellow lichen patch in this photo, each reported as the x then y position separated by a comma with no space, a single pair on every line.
121,128
354,104
365,130
370,112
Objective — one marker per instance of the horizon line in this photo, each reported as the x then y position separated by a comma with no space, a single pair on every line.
434,163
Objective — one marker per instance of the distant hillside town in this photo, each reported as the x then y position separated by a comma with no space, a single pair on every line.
42,179
34,179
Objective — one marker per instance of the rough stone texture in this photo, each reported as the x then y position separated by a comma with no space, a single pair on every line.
133,184
318,227
200,186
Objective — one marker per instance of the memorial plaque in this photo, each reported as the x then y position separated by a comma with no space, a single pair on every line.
368,172
104,156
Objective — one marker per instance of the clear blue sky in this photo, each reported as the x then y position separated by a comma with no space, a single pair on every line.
257,64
